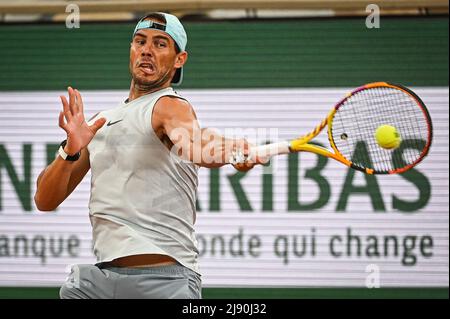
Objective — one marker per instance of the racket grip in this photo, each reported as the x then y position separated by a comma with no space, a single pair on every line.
264,152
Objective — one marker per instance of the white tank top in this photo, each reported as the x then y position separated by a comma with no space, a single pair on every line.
142,196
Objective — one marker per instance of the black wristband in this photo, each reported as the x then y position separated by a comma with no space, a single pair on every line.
66,156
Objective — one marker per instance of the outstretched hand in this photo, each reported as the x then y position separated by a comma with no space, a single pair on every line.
79,133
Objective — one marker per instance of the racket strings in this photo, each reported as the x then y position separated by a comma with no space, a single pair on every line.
358,118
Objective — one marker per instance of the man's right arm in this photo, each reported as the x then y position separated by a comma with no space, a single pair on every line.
58,180
61,177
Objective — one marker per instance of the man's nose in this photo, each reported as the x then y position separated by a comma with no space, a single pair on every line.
147,50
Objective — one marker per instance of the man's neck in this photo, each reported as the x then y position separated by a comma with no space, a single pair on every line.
137,92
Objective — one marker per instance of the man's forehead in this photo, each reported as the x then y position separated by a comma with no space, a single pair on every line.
152,33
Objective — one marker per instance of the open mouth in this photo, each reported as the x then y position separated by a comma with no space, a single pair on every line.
147,68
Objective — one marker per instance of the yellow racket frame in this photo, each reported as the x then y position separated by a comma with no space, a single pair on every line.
301,144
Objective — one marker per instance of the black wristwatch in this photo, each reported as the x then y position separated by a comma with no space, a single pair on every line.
66,156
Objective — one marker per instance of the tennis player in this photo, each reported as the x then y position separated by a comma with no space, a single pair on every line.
144,156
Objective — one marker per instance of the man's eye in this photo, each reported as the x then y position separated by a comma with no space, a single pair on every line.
161,44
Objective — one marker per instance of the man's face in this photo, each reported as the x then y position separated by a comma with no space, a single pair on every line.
153,58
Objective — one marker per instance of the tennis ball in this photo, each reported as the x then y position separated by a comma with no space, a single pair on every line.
388,137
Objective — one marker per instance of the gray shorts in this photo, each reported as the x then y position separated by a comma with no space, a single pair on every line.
165,282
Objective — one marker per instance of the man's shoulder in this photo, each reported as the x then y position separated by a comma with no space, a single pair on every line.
173,103
173,99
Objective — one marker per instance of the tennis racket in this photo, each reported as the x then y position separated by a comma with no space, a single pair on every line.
351,127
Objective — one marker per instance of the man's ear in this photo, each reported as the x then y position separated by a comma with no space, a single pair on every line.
181,59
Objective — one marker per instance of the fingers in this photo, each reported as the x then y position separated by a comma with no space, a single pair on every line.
61,121
66,109
245,159
249,152
72,101
262,160
79,101
97,125
244,146
243,167
74,105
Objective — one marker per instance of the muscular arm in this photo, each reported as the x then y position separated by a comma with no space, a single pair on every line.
61,177
58,180
176,119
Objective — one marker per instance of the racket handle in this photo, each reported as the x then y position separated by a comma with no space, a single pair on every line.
266,151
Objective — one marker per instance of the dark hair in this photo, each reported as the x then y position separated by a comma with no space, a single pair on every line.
154,15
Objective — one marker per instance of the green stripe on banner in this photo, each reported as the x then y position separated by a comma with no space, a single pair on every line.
235,54
267,293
